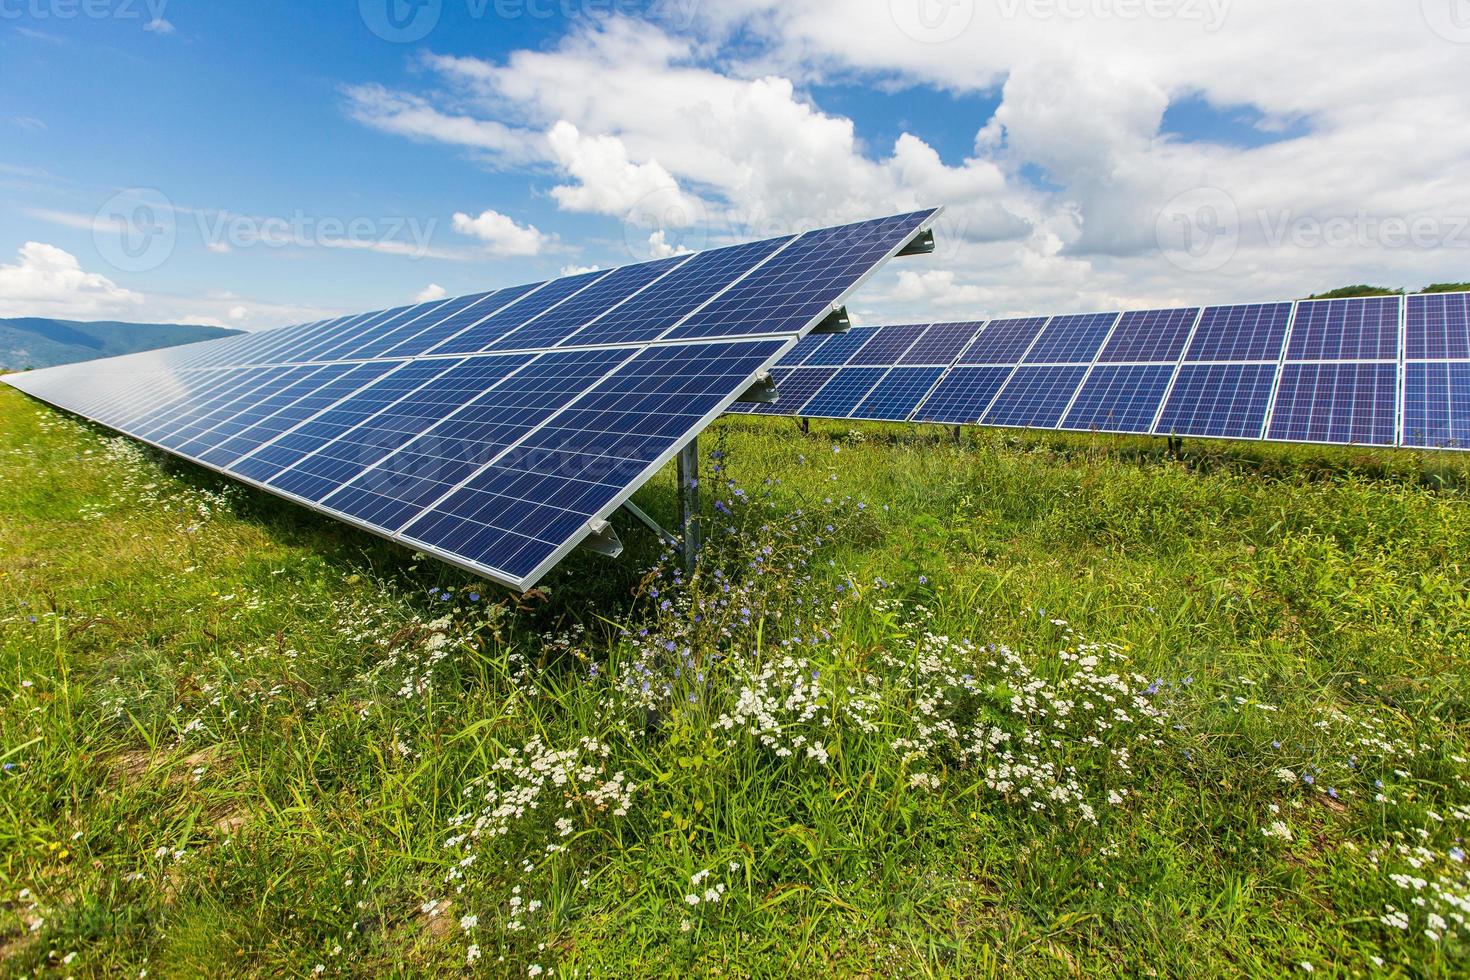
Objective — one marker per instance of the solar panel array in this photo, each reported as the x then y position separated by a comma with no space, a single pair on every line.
1373,371
495,431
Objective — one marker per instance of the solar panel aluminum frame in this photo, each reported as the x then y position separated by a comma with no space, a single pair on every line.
595,532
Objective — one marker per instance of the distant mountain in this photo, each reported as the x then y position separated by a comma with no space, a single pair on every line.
36,342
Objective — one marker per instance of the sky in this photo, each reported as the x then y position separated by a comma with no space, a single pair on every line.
256,164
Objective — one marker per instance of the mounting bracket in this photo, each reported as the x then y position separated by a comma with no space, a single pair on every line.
603,539
835,322
923,244
641,516
761,392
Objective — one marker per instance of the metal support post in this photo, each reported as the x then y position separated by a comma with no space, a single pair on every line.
689,503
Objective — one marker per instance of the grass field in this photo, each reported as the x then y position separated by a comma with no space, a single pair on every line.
1024,705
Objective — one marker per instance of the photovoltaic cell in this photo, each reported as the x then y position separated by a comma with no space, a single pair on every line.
493,328
781,295
223,448
678,294
478,304
1034,397
519,513
556,325
1150,335
1346,330
456,316
1120,398
795,389
941,344
348,454
1437,405
1437,327
896,396
1346,403
1250,332
1071,339
841,347
1227,401
347,349
962,396
887,347
263,464
842,394
804,348
449,452
1003,341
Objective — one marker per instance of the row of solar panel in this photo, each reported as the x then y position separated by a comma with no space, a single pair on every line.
473,455
760,288
1377,371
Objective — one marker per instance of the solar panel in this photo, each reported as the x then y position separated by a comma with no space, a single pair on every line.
887,346
962,397
804,348
1249,332
1003,341
897,395
841,348
1346,330
843,393
1437,327
1348,403
1071,339
1222,401
1150,336
1437,405
941,344
1034,397
794,390
1120,398
496,431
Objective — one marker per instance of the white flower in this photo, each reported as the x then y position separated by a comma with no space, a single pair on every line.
468,922
471,954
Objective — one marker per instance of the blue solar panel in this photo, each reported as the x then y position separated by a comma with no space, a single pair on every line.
217,388
336,382
962,396
1071,339
896,396
941,344
313,347
1251,332
556,325
423,470
291,448
887,347
678,294
1346,330
384,340
491,329
204,432
518,514
1150,335
804,348
1120,398
841,348
1438,327
1339,403
382,334
458,316
801,282
347,454
1437,405
1035,397
1226,401
842,394
1003,341
222,445
795,389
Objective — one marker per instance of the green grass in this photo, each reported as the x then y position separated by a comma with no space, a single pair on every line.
238,736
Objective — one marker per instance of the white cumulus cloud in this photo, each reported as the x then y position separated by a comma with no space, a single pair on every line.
50,282
502,236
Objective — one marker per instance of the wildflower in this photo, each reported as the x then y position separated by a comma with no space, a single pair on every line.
468,922
472,954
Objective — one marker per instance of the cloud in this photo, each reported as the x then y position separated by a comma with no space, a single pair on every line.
47,281
501,234
608,182
28,122
159,26
430,293
412,116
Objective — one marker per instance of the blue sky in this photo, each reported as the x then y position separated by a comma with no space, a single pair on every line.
569,133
